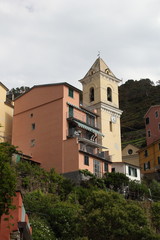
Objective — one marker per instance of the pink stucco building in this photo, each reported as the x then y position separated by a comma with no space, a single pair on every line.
17,226
52,127
152,124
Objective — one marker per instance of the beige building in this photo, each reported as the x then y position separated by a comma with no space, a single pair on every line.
100,93
130,155
6,115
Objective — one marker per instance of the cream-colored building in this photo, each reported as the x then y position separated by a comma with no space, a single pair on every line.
130,155
100,93
6,115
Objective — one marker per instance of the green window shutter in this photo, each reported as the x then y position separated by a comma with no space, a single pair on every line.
70,111
70,92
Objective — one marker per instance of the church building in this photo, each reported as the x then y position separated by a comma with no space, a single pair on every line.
57,130
100,92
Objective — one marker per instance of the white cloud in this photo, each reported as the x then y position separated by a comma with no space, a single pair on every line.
56,40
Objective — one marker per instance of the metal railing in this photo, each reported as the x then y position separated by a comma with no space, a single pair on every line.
90,150
83,118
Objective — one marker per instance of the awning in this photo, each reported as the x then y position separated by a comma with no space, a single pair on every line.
88,128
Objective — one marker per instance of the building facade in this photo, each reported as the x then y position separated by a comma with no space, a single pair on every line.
149,156
150,159
6,115
152,124
131,171
52,127
16,227
130,155
100,93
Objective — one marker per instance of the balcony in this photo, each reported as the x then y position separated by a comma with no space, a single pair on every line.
87,119
85,137
103,155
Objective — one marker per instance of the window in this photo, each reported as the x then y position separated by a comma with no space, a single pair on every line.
91,94
110,126
159,126
147,120
156,114
96,170
109,94
146,165
107,70
70,111
130,151
146,153
113,170
149,133
33,142
158,159
158,146
33,126
132,171
70,92
86,160
106,167
31,115
91,120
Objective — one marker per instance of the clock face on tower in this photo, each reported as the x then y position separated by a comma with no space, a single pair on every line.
113,119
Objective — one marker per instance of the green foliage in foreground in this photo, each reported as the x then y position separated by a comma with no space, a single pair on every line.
103,215
41,228
90,211
7,178
93,211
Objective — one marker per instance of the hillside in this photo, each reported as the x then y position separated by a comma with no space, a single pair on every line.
135,99
97,209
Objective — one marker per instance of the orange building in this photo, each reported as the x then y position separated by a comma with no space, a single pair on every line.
149,156
16,227
52,127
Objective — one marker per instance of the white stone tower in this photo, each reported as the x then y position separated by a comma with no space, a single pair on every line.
100,92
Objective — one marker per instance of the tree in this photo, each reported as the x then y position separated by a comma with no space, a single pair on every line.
7,178
41,228
15,92
155,210
116,181
108,216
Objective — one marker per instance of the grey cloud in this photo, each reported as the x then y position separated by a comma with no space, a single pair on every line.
56,40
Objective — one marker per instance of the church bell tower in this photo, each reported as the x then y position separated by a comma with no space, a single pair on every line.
100,93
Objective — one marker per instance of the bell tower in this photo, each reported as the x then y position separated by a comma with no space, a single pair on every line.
100,93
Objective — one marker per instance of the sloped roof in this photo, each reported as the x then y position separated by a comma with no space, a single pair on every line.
1,84
99,65
154,106
50,85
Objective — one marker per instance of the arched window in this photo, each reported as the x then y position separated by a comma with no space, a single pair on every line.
109,94
91,94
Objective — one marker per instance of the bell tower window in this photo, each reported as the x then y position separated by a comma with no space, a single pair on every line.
109,94
91,94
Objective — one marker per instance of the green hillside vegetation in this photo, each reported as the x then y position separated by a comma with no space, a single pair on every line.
135,99
97,209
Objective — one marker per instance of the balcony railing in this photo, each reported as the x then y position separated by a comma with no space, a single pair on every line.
87,149
83,118
82,136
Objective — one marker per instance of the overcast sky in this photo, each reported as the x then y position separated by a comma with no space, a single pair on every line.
48,41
